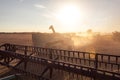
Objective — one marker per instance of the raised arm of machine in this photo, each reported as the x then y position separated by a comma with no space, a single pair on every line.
52,28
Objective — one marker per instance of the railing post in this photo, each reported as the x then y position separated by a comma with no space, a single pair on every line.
6,58
14,48
96,61
25,62
50,66
51,72
25,53
6,47
95,67
50,56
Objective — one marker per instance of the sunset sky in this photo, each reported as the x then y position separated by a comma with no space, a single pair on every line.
64,15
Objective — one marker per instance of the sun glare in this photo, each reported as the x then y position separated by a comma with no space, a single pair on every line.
69,15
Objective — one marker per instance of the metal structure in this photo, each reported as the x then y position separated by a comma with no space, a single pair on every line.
52,28
54,40
49,64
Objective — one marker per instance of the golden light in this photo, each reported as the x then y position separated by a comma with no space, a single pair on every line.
83,39
69,15
92,52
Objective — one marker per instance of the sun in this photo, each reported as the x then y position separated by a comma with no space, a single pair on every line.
69,15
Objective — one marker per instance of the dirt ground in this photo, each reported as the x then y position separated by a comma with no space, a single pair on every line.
98,44
16,38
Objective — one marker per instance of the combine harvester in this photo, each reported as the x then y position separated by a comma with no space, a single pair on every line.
52,40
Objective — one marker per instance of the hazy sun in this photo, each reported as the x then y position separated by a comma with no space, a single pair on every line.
69,15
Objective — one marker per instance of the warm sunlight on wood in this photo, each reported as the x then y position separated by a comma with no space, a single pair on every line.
69,15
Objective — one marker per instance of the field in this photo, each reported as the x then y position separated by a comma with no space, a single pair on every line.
16,38
98,44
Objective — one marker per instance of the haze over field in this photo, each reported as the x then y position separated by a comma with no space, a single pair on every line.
92,42
65,15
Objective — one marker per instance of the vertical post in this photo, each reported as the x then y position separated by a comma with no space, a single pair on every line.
25,51
51,69
5,47
6,57
9,47
14,48
50,56
95,66
25,62
96,61
89,59
64,55
84,58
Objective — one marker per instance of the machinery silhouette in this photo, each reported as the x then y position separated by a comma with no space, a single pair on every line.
52,28
52,40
